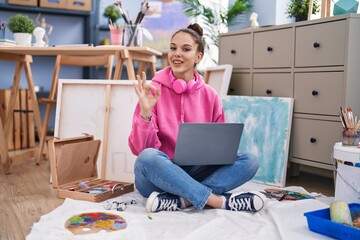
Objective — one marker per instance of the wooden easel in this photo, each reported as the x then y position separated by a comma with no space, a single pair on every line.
325,8
22,61
88,60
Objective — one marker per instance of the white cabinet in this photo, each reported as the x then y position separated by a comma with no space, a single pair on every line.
315,62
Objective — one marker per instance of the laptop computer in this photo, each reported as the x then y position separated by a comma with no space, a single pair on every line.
207,143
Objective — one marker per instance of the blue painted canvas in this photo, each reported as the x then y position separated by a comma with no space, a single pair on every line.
267,127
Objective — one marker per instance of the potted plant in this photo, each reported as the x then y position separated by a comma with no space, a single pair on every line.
299,9
22,27
112,14
215,17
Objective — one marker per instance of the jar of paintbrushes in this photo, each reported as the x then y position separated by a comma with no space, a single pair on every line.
351,127
133,35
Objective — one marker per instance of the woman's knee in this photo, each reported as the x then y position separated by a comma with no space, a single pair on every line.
150,158
146,156
252,161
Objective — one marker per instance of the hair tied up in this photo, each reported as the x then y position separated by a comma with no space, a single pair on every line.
196,27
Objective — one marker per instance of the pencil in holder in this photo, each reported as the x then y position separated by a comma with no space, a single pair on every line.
350,136
116,36
133,35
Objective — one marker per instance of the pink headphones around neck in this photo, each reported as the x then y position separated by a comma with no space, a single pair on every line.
180,86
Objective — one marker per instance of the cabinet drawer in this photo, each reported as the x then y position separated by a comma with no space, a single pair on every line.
60,4
272,84
23,2
236,50
318,93
240,84
273,49
314,139
79,5
320,44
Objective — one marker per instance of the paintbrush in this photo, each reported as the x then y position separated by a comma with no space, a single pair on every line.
122,12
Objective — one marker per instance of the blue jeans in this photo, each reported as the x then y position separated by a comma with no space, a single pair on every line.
154,171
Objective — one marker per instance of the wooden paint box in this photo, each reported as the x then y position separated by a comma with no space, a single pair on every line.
74,171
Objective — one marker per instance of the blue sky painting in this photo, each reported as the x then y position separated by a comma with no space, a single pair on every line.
267,127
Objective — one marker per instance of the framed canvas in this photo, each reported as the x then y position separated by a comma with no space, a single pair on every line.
104,109
219,78
267,126
162,20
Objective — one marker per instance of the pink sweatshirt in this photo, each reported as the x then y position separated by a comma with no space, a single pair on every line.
172,109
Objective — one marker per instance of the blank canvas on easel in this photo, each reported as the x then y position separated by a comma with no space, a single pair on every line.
267,126
104,109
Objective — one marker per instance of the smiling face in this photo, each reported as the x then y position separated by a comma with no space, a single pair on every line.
183,56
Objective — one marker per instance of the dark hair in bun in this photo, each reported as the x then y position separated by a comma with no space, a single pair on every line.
196,27
196,32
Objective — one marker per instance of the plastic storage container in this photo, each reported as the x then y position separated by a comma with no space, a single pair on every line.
347,187
319,221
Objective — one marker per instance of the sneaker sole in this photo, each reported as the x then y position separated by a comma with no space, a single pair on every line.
263,199
150,201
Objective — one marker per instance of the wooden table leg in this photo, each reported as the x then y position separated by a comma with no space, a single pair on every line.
4,153
119,66
125,56
34,100
12,100
22,61
141,68
152,66
49,105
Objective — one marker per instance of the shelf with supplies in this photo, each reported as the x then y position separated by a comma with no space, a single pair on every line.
77,5
37,9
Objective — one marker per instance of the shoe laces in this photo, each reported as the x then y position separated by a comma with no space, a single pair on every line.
167,204
240,204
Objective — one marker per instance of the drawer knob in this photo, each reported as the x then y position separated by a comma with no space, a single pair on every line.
316,45
231,89
269,49
268,91
233,51
313,140
314,93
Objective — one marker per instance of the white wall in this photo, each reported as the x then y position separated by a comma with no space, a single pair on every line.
270,12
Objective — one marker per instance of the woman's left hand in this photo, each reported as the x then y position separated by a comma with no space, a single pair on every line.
148,96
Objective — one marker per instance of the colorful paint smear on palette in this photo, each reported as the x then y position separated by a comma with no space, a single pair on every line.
93,222
281,195
267,126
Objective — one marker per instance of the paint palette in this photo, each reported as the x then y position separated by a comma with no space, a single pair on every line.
280,195
93,222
